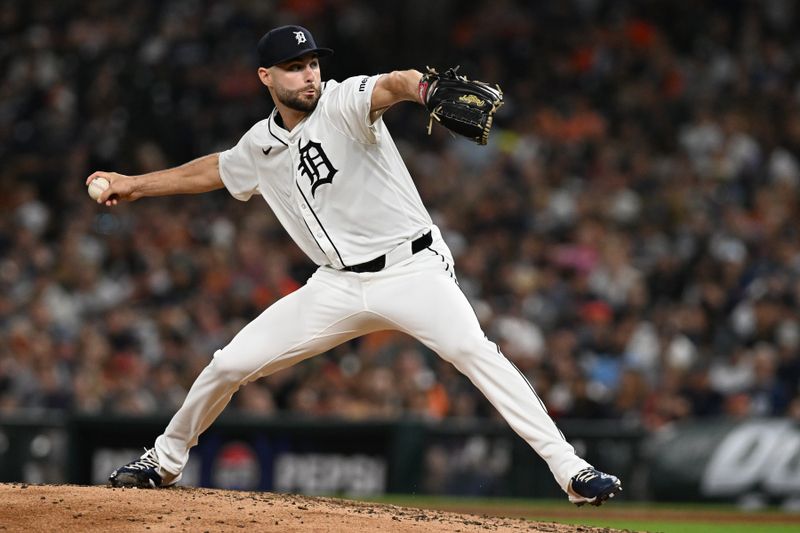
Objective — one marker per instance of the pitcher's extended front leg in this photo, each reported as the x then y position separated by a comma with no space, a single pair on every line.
322,314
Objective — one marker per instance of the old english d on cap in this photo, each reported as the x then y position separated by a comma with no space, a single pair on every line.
285,43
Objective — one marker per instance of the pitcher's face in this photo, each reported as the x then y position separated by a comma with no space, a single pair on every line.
296,83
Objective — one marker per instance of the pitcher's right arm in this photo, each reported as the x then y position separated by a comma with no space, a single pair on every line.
200,175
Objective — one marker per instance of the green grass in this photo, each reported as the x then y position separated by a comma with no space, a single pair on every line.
667,517
683,527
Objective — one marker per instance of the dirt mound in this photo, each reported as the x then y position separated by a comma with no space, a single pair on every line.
88,509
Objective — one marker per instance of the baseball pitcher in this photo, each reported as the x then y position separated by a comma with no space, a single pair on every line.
326,165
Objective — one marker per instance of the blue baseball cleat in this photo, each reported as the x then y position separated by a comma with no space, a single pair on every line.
144,473
593,487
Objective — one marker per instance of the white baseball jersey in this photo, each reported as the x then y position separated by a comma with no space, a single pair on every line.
336,181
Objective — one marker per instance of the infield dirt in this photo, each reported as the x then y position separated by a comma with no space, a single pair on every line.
93,509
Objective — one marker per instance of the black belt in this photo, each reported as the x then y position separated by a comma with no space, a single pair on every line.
377,264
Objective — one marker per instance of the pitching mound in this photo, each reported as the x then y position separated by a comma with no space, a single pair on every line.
87,509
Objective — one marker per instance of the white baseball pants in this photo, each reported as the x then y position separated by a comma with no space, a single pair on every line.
418,296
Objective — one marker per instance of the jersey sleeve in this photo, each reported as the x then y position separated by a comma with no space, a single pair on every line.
348,105
237,169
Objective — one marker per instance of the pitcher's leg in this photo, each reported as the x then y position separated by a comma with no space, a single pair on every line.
313,319
429,306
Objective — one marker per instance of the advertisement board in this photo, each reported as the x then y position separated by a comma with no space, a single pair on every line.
318,456
726,460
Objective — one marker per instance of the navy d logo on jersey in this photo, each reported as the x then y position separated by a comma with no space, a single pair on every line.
315,165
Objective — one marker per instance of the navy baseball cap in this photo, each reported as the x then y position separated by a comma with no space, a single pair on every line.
285,43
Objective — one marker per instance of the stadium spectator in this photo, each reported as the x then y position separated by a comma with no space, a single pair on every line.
632,223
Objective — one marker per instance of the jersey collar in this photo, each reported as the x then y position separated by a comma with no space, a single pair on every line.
280,134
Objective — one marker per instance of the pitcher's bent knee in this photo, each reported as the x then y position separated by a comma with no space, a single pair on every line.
461,349
228,368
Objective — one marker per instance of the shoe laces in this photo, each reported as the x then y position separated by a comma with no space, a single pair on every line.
587,475
147,460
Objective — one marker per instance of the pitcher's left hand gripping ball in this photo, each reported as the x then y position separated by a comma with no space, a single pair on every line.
463,106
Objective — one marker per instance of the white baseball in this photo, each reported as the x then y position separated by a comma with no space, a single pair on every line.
97,186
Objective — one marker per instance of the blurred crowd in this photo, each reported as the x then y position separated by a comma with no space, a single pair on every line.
629,236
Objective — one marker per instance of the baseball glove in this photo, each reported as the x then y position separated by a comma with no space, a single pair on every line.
463,106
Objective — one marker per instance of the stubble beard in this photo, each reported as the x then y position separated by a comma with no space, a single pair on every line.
295,99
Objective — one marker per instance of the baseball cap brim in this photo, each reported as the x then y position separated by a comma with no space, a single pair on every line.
321,52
